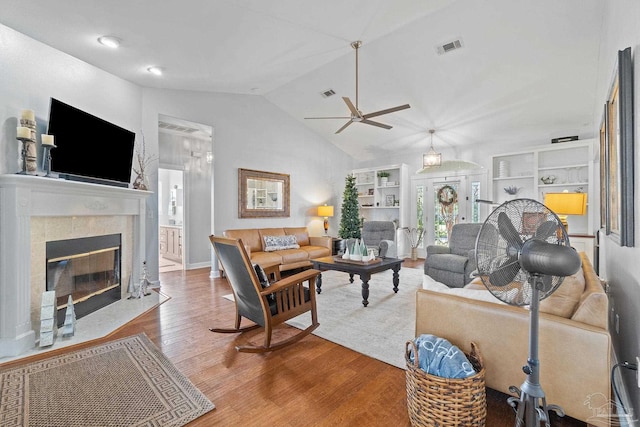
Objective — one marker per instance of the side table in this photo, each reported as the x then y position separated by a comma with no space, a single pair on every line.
338,246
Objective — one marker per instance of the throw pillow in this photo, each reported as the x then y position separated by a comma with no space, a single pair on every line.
277,243
262,275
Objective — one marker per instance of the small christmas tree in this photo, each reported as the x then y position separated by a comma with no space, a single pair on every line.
350,220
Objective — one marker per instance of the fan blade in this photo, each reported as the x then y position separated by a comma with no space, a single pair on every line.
380,125
315,118
546,230
344,127
505,273
508,231
387,111
352,108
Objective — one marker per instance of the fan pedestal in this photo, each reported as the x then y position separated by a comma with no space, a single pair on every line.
531,407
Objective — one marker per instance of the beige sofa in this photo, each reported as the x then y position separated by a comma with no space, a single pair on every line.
310,247
575,345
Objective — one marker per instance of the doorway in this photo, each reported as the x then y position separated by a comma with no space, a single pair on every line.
185,193
439,202
171,219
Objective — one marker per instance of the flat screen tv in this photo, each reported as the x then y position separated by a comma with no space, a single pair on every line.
89,148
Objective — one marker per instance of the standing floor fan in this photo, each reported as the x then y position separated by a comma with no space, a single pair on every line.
523,255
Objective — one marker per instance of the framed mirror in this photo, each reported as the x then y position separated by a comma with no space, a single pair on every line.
262,194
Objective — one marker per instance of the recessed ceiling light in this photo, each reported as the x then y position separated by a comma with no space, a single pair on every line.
109,41
155,70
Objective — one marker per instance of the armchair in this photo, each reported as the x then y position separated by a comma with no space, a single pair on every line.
266,304
381,236
454,264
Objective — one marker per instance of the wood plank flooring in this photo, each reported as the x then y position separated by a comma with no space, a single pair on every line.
312,383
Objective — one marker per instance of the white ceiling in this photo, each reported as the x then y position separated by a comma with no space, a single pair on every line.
527,71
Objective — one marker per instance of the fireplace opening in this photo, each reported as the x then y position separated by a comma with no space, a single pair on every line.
87,269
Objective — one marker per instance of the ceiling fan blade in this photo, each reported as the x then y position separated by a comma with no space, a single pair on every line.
344,127
380,125
387,111
352,108
316,118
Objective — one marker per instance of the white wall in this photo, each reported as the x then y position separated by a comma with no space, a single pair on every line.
252,133
620,264
32,72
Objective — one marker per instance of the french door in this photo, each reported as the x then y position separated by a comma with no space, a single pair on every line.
437,203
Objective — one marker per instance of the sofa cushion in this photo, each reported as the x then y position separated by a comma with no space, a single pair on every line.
289,256
564,300
314,252
477,294
278,243
249,236
302,236
266,258
594,304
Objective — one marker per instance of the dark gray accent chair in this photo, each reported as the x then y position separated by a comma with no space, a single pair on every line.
381,236
453,264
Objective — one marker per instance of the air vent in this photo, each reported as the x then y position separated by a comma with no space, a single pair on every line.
449,46
177,128
327,93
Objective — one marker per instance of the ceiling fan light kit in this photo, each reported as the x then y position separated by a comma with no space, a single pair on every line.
356,115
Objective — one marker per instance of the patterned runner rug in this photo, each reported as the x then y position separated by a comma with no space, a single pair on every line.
127,382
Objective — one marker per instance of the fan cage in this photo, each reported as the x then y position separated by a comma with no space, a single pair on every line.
497,256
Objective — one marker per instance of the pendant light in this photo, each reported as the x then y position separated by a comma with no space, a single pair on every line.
432,158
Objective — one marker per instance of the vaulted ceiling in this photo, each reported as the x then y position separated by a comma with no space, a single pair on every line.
526,70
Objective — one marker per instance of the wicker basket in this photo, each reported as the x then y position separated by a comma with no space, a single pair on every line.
438,401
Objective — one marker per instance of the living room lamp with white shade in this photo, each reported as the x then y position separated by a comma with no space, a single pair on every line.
563,204
432,158
326,212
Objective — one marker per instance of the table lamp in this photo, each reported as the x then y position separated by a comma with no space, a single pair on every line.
326,212
563,204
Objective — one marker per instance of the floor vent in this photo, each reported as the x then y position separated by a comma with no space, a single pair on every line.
449,46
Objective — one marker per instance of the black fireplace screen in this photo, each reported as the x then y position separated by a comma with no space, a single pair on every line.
87,269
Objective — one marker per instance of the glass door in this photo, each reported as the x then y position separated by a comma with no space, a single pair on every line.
437,204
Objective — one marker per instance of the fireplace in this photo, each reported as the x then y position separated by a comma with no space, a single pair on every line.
87,269
35,210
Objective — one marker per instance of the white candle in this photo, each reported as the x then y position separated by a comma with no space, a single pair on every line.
28,115
24,132
47,139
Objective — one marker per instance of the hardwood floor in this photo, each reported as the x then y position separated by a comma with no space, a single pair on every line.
312,383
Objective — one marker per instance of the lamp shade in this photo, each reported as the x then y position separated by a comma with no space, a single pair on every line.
566,203
325,211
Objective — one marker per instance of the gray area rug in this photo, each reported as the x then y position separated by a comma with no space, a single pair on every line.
380,330
126,382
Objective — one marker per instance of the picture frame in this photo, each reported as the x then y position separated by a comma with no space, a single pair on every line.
604,170
263,194
390,200
618,157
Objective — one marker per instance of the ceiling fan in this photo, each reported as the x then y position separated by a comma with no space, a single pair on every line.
356,115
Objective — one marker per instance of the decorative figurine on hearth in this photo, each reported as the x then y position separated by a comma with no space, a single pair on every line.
144,281
69,327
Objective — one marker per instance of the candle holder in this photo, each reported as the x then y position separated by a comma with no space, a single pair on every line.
46,161
29,157
26,142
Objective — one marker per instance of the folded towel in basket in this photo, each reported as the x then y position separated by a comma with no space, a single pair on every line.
437,356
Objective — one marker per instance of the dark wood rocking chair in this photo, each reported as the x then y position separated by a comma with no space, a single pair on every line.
269,306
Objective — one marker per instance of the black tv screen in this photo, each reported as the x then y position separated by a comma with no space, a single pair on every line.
89,148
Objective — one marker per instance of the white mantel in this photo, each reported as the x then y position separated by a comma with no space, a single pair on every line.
23,197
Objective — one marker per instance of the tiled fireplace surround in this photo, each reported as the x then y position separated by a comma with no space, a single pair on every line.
34,210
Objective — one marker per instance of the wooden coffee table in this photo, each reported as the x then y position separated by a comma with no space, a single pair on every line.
364,270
